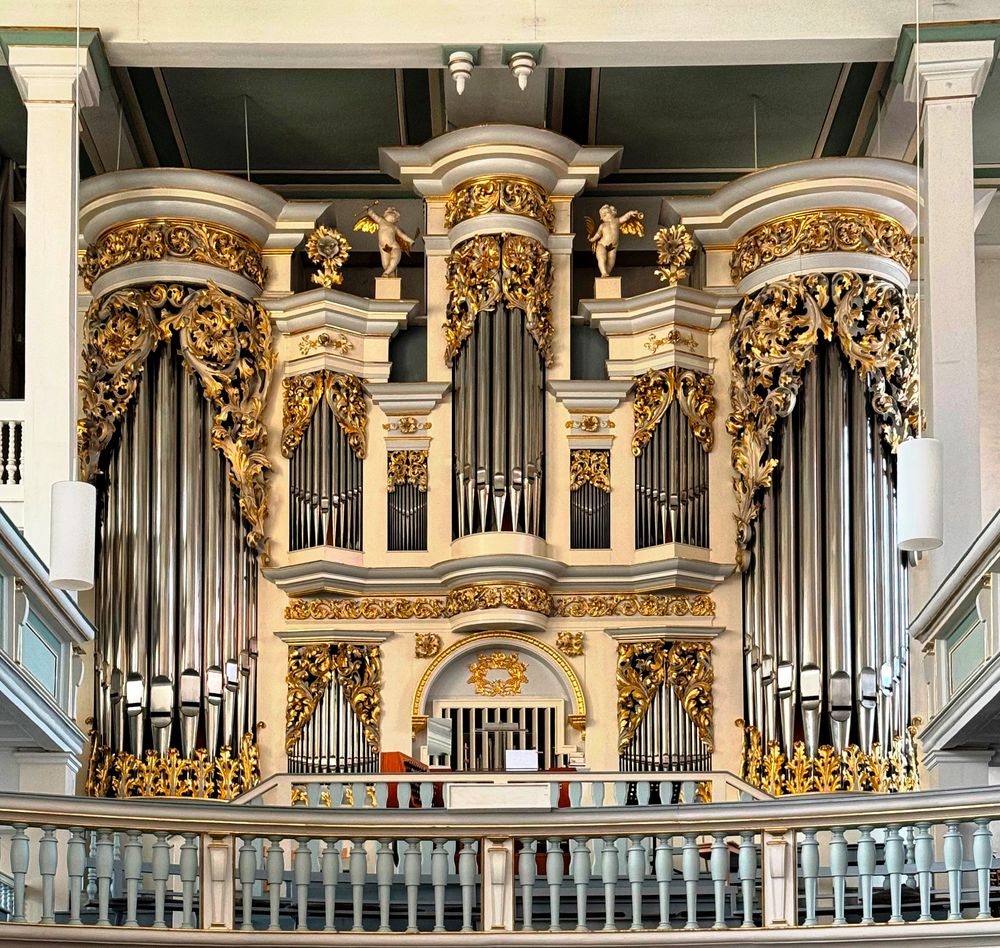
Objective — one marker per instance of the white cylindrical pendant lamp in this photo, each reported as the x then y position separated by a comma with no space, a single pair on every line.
919,494
74,519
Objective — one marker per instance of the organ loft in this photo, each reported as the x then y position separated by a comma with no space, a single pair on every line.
565,486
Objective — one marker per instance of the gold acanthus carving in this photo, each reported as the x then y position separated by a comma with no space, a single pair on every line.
504,195
406,467
498,596
223,341
590,467
345,395
590,423
883,770
356,668
326,340
654,392
674,249
509,662
645,667
408,424
775,335
570,643
426,644
328,249
157,239
673,338
837,229
647,605
121,774
489,268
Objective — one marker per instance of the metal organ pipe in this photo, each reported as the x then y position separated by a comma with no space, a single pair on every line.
788,626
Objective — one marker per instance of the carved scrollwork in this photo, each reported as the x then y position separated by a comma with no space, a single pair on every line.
310,671
359,673
590,467
406,467
196,241
674,249
366,607
485,269
654,392
505,195
645,667
344,394
498,596
775,334
509,662
818,231
224,342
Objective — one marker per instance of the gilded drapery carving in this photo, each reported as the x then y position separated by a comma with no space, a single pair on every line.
485,269
654,392
499,195
223,341
344,394
775,334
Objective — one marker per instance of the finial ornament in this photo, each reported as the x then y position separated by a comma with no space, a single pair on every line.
393,241
328,249
604,236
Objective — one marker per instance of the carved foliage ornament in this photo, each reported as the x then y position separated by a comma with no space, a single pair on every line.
590,467
406,467
356,668
654,392
426,644
674,249
488,268
329,250
224,342
509,662
196,241
645,667
775,334
845,230
470,598
343,393
570,643
499,195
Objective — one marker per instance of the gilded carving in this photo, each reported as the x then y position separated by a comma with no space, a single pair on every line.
656,390
498,596
426,644
590,467
590,423
485,269
674,249
224,342
645,667
345,395
852,771
406,467
197,241
326,340
357,670
570,643
775,334
633,604
408,424
509,662
504,195
121,774
328,249
674,337
366,607
849,230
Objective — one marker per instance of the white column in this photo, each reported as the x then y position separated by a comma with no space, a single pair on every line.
948,79
46,77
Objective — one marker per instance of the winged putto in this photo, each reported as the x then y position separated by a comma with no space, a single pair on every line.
393,241
604,236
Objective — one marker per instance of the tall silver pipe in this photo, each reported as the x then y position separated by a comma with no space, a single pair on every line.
515,408
230,540
480,335
212,601
810,583
838,553
788,628
498,374
769,580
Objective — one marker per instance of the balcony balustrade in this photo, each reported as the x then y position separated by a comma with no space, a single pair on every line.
753,871
12,459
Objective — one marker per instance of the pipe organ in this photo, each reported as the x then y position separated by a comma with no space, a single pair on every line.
406,490
590,499
498,347
324,440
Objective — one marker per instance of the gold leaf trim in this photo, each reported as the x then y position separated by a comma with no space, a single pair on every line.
498,596
484,269
426,644
344,393
499,194
674,337
656,390
644,667
406,467
822,231
157,239
590,467
509,662
325,340
224,342
774,338
633,604
570,643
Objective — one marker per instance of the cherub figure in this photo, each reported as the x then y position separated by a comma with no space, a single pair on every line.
393,241
604,236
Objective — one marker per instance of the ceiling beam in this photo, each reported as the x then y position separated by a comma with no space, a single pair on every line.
872,102
831,110
136,121
175,127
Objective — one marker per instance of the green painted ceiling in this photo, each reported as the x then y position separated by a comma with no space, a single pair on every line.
702,117
13,119
986,122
